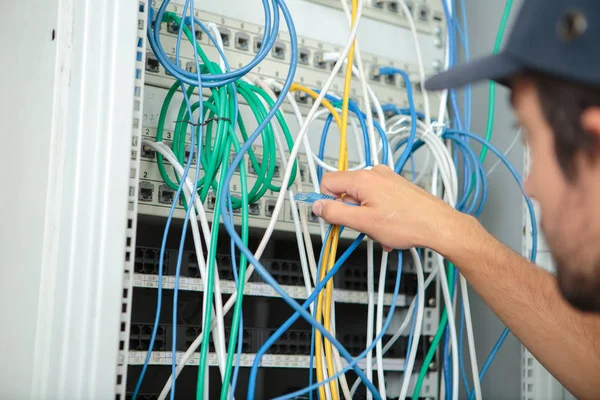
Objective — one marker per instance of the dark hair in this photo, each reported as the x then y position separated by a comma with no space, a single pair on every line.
562,104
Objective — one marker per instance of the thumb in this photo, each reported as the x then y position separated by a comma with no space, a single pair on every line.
338,213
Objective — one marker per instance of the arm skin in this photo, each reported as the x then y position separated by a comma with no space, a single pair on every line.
527,299
400,215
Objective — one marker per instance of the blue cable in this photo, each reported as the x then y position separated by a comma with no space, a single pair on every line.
192,195
164,239
534,234
413,111
301,310
363,125
472,162
352,365
391,108
361,116
231,229
211,81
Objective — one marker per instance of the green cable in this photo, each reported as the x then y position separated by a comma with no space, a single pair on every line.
492,92
237,311
436,339
213,158
286,132
206,325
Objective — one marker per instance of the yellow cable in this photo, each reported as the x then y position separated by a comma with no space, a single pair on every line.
299,88
325,262
318,338
334,236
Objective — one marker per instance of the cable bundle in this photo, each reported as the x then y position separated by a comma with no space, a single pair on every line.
216,130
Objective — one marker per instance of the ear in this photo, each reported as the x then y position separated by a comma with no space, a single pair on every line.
590,122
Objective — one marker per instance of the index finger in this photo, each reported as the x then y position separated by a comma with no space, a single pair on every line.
344,182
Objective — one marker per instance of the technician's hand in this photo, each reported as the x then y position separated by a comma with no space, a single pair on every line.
393,211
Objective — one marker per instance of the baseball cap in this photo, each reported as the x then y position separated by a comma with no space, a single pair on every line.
556,37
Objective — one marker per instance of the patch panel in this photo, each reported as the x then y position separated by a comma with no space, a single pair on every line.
354,277
428,15
140,334
291,343
312,70
147,260
155,199
267,361
150,281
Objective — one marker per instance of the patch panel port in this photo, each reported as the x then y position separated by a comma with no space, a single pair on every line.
251,169
190,66
225,36
424,13
301,97
254,209
173,28
242,41
146,192
319,61
211,200
174,62
152,64
303,56
269,208
166,195
279,51
147,152
257,45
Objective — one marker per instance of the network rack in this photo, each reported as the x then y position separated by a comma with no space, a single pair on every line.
154,199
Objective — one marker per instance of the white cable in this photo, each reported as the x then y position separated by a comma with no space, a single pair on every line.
312,170
170,157
420,63
445,167
369,95
299,237
217,35
506,153
418,324
280,199
405,324
370,314
401,119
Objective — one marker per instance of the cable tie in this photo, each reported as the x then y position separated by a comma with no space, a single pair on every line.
205,122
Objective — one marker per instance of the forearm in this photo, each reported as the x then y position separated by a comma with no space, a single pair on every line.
527,299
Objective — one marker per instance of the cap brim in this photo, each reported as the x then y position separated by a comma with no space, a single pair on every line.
499,68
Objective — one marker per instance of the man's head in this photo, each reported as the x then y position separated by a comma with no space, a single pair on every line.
552,66
561,125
